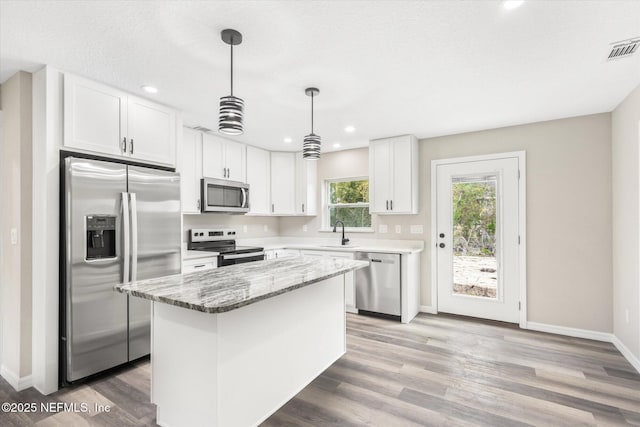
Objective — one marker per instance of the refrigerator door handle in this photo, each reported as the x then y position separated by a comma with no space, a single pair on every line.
134,237
126,234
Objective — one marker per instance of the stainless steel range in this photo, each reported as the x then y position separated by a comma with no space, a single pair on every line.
222,240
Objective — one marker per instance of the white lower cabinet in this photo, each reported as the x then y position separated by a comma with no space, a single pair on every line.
281,253
199,264
349,278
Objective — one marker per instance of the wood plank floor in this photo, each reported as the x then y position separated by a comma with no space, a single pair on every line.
437,370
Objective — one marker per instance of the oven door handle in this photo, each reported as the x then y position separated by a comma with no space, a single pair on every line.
240,256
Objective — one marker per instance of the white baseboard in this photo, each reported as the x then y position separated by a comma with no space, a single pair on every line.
635,362
591,335
428,309
14,380
570,332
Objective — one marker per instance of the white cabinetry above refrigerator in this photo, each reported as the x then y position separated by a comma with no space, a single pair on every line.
104,120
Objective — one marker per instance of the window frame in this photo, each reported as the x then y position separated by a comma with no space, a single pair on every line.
326,206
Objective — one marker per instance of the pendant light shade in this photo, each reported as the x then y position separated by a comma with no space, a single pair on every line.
231,107
311,144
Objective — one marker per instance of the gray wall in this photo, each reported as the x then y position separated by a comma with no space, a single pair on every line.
568,212
626,217
15,264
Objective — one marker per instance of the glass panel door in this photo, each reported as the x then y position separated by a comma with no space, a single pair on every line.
474,217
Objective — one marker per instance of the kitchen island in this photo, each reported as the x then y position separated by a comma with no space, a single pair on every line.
232,345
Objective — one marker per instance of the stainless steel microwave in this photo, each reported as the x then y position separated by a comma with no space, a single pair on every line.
220,195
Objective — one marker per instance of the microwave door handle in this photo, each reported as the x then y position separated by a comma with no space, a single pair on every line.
125,239
244,197
134,237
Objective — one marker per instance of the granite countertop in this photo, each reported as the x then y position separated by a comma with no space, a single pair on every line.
232,287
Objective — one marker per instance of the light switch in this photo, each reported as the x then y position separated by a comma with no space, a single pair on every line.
398,229
244,228
382,228
14,236
417,229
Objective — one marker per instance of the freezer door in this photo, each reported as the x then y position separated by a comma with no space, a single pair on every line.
95,316
378,286
156,240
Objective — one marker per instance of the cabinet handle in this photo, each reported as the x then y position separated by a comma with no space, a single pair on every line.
124,144
199,266
391,203
198,204
303,208
131,146
228,173
273,207
387,205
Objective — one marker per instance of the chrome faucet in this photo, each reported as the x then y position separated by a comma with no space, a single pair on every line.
345,241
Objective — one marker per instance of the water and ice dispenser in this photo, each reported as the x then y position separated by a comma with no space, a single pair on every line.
101,237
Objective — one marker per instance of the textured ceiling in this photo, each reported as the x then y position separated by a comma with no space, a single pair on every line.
386,67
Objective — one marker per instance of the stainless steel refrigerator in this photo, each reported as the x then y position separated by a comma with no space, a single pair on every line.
121,223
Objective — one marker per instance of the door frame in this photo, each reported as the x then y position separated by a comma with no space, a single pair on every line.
522,223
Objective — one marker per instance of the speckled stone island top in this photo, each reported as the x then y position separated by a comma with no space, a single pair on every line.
227,288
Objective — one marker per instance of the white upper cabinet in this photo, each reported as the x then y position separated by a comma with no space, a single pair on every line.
393,175
104,120
306,185
191,170
223,159
283,175
259,180
95,116
151,131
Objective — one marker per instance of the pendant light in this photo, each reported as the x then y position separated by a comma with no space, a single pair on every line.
231,107
311,145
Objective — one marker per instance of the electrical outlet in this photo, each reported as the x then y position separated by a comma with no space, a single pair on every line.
626,315
244,228
305,228
266,228
398,229
382,228
417,229
14,236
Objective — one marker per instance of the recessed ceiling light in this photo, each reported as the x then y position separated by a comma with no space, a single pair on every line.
288,140
512,4
149,89
336,145
349,129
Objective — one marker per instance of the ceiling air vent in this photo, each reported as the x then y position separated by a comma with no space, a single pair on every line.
624,48
201,129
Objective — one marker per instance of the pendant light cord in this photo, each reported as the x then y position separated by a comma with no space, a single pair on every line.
312,113
231,65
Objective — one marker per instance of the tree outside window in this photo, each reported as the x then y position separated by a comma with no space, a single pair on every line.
348,201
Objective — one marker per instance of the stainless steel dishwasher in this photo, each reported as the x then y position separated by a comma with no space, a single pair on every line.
378,286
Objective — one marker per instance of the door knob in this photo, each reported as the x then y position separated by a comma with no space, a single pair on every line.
441,245
442,235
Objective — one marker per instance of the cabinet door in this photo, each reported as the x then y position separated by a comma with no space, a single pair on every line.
259,179
283,183
306,185
235,160
379,181
151,131
94,115
212,156
191,170
401,169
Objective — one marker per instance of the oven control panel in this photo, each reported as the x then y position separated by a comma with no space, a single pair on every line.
211,234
